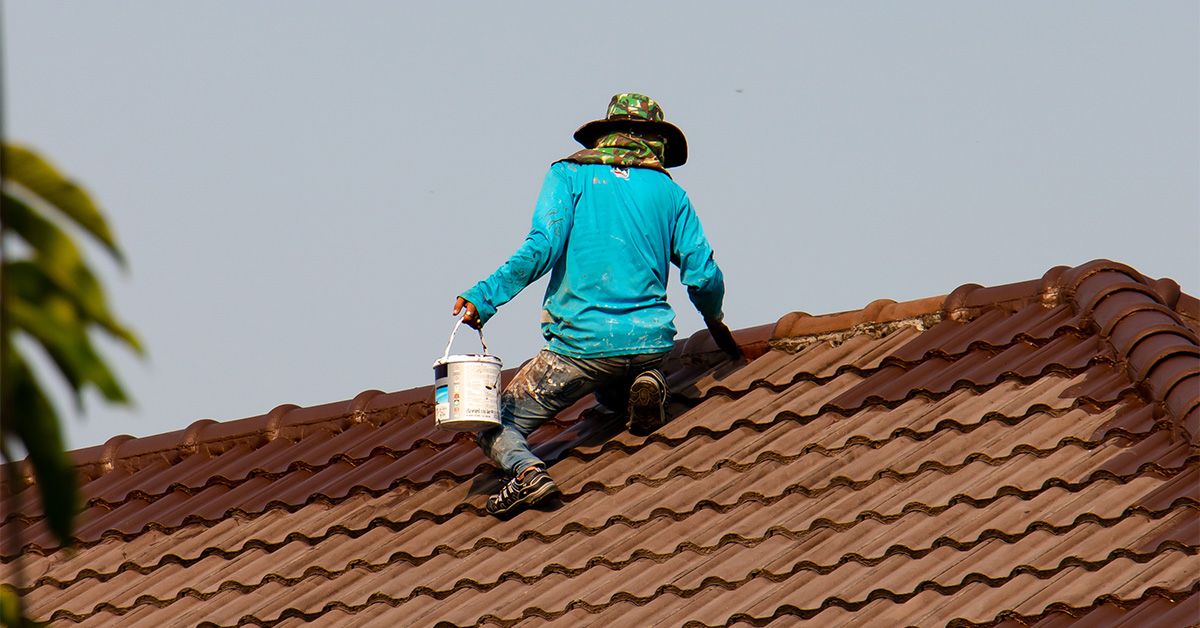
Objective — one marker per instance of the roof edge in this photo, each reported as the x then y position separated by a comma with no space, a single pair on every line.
283,421
1150,325
801,327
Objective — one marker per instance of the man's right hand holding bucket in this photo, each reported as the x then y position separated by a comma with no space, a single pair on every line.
470,315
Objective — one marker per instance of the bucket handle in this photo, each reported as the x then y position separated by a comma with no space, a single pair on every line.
455,331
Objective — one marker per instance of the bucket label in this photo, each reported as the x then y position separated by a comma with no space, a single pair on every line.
467,392
474,391
441,411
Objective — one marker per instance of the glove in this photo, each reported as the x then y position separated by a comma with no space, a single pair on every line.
723,337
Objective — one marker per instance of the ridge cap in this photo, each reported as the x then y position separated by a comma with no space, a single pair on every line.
1143,321
1138,319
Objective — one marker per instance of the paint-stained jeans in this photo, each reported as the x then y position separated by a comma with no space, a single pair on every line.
550,383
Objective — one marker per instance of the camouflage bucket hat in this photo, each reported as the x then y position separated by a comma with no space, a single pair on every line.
639,114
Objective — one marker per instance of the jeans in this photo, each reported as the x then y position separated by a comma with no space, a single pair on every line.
548,384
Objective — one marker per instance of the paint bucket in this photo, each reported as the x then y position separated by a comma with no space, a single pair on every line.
467,389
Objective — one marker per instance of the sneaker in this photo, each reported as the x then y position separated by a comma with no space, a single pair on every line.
647,403
526,489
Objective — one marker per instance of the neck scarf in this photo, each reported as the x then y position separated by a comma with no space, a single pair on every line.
624,149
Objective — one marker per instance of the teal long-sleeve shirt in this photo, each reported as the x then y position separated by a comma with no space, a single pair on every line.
608,236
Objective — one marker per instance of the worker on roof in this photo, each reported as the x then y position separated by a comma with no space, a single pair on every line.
608,223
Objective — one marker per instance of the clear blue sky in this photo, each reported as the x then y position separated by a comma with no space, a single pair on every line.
302,191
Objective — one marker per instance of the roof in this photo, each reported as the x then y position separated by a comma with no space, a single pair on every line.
1015,455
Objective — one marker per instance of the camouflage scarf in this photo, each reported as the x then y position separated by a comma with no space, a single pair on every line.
625,149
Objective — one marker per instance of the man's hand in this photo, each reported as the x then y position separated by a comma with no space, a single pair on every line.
723,337
470,315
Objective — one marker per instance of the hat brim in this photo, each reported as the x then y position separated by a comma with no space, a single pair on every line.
676,147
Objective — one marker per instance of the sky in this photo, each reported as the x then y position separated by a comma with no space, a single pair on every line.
302,192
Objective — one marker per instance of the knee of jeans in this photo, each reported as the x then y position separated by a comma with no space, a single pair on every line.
486,439
524,405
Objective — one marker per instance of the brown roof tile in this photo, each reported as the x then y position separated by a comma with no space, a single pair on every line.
1009,455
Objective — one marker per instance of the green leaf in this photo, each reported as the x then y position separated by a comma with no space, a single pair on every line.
37,282
67,343
36,424
10,607
10,610
60,261
84,289
56,300
36,175
49,241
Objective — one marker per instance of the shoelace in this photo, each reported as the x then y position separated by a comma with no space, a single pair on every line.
508,491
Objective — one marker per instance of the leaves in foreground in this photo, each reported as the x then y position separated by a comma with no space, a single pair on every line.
52,297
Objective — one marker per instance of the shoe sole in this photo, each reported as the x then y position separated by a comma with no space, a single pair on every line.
645,408
542,492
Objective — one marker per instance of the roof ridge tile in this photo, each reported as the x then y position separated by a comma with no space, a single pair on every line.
876,315
1086,288
1135,316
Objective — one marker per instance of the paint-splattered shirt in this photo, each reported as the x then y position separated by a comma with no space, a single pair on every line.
608,235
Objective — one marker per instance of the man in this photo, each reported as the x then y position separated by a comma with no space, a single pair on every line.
608,223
